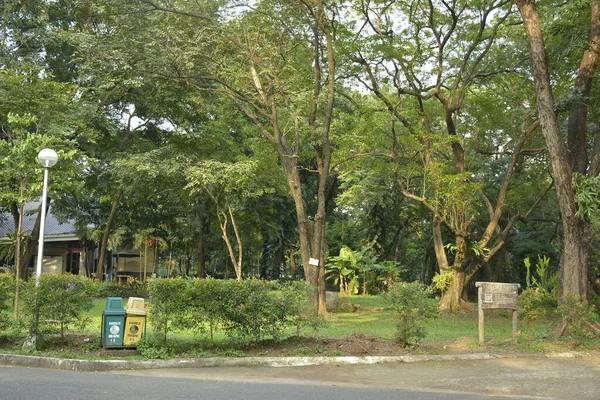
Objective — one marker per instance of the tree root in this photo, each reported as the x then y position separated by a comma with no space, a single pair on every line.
592,327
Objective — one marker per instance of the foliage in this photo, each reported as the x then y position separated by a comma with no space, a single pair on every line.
342,270
387,272
536,304
545,282
443,281
152,349
132,288
61,301
294,300
413,307
577,316
242,309
7,292
249,310
587,191
168,303
361,271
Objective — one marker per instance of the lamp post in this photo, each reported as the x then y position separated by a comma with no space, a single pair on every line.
46,157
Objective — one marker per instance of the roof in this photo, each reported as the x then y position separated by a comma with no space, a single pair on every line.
53,228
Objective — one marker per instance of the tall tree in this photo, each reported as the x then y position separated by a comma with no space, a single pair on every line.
274,60
569,156
425,73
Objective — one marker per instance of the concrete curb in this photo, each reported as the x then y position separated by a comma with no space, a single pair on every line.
116,365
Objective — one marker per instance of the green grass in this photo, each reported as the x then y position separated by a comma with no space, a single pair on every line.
374,317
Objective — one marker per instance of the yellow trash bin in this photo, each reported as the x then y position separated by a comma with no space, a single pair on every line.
135,323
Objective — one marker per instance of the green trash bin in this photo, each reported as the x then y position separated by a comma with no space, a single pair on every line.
113,322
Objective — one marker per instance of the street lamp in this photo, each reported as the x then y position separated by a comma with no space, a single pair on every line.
46,157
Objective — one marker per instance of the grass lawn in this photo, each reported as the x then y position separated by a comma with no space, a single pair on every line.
368,331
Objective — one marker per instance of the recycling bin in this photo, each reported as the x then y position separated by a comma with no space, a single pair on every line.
113,322
135,323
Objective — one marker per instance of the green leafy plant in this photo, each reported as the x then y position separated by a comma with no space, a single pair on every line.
342,270
152,349
247,309
544,281
413,307
7,292
251,311
443,281
168,304
535,304
578,317
61,301
293,300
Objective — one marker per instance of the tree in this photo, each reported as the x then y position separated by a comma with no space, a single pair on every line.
274,61
427,75
568,157
226,183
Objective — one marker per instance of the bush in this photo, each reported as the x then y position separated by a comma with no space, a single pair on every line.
7,293
133,288
243,309
294,300
535,304
61,301
168,303
413,308
249,310
151,349
578,317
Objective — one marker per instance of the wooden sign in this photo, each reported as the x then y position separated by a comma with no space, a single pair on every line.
499,295
492,295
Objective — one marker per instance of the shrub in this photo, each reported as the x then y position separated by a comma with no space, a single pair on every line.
294,297
61,301
535,304
578,317
250,310
133,288
413,308
169,303
247,309
151,349
205,298
7,293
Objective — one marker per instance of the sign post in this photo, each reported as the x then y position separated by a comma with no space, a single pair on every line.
497,296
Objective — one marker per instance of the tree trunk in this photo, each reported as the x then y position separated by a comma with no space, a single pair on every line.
438,246
452,298
201,261
106,235
574,267
293,263
18,210
31,245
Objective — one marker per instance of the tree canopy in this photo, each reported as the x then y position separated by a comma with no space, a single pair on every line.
452,139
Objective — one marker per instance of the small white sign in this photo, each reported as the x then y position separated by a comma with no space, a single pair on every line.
313,261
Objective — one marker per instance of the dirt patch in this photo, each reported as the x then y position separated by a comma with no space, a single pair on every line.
356,345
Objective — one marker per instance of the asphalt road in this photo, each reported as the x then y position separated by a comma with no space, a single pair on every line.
30,383
568,376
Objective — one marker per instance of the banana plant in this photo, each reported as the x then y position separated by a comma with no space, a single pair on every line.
342,270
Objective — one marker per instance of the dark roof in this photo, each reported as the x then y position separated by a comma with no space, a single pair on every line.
53,227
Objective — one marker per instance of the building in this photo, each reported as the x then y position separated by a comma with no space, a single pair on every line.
66,251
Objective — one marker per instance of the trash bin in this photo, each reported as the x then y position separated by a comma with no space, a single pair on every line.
113,322
135,323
